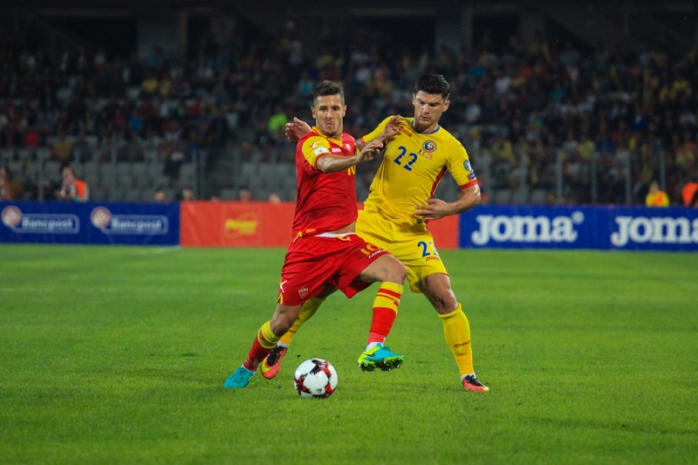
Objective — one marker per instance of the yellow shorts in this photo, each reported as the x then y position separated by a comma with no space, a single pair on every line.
413,245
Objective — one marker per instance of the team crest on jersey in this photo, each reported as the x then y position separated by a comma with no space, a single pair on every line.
466,165
428,149
303,293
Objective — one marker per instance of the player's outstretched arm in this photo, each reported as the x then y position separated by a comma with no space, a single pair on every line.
436,208
296,130
333,163
391,129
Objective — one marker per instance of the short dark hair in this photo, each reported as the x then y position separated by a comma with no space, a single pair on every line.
433,84
328,88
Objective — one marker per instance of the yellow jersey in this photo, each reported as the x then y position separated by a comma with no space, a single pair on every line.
658,199
412,167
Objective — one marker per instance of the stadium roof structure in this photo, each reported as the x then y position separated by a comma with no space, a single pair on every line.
638,25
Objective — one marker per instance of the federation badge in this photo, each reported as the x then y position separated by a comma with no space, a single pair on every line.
429,146
428,149
466,165
303,293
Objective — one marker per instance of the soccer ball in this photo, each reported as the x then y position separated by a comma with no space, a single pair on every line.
315,379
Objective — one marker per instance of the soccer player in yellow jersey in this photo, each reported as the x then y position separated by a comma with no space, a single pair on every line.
417,154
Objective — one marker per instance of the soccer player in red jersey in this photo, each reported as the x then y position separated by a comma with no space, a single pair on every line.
325,251
400,204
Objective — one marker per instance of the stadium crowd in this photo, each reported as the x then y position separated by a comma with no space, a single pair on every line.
518,112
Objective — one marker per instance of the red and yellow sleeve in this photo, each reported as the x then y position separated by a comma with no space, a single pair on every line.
376,132
315,147
459,166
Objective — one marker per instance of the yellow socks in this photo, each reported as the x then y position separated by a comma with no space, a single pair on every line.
457,332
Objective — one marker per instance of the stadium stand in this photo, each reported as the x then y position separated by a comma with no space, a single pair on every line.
539,120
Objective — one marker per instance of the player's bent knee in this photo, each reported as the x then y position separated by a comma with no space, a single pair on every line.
397,272
283,318
445,303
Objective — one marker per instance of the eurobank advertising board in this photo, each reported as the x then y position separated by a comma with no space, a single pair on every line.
622,228
89,223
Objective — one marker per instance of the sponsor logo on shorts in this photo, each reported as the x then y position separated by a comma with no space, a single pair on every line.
376,253
39,223
144,225
433,258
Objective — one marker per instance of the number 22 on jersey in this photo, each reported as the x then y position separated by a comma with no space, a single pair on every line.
404,159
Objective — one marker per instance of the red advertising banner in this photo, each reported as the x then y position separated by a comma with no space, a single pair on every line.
261,224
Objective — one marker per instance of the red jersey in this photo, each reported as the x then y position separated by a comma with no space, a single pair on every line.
324,202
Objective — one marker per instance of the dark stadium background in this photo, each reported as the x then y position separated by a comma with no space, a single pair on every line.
77,67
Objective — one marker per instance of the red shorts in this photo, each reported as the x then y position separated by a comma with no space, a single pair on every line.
312,262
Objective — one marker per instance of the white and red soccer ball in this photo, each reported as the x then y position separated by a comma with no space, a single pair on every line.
315,379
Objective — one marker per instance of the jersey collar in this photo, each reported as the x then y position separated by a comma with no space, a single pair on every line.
411,121
319,133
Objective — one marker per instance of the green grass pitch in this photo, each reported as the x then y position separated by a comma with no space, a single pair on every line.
118,355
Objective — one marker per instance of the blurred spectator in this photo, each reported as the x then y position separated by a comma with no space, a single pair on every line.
656,197
159,195
149,85
132,150
4,184
689,194
63,149
277,123
244,194
187,195
173,151
274,198
515,108
72,189
10,137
